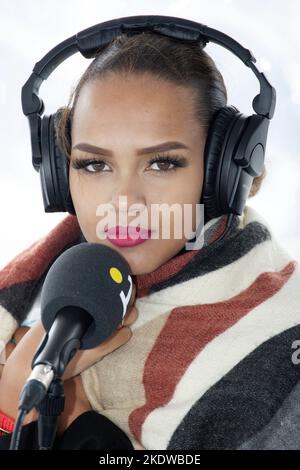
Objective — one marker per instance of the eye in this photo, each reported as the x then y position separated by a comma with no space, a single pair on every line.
167,163
163,164
96,166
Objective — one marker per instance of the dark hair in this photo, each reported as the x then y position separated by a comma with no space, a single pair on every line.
182,63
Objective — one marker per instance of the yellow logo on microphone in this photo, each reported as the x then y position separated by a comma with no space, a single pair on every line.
116,275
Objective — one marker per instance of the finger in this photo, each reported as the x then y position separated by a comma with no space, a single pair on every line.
117,339
133,295
20,332
9,349
131,316
84,359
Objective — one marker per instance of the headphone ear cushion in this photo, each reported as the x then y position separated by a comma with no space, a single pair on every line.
61,166
217,137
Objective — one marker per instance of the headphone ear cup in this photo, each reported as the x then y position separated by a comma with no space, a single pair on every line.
214,151
61,166
54,170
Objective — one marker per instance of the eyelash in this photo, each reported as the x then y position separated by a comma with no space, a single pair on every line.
176,160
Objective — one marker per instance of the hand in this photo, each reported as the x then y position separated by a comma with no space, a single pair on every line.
18,366
10,346
86,358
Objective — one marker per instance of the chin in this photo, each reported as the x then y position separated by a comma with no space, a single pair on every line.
138,266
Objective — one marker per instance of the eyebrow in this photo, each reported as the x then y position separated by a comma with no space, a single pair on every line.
155,148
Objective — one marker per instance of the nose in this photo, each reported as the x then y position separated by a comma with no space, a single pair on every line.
128,196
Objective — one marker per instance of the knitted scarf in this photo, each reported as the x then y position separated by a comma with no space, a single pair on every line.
209,364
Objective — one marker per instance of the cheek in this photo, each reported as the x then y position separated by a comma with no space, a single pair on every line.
75,186
190,182
187,193
195,185
84,194
187,188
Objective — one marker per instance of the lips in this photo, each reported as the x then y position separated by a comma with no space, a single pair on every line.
127,236
120,231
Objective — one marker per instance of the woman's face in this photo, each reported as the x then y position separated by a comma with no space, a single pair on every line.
124,114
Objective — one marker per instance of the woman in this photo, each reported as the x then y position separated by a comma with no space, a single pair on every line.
207,361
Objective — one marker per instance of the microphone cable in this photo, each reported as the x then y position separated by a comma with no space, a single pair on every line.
15,440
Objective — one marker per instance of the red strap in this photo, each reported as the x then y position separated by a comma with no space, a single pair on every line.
6,424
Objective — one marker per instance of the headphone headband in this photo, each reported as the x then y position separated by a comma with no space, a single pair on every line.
88,41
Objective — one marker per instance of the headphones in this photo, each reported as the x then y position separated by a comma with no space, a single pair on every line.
235,146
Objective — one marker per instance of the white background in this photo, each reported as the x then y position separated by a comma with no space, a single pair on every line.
29,29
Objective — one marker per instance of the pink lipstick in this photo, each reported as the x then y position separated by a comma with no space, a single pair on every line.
127,236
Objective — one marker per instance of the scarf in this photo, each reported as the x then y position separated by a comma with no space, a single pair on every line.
209,364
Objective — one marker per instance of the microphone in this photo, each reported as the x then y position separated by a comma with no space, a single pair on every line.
84,298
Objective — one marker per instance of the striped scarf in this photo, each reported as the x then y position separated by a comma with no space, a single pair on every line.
209,364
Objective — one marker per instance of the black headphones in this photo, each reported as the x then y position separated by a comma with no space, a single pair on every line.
235,146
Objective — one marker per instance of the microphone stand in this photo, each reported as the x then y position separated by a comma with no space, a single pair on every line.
49,409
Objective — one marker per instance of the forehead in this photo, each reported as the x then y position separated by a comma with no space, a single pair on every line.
133,101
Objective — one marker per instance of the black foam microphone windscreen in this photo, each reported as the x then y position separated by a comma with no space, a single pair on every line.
94,278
